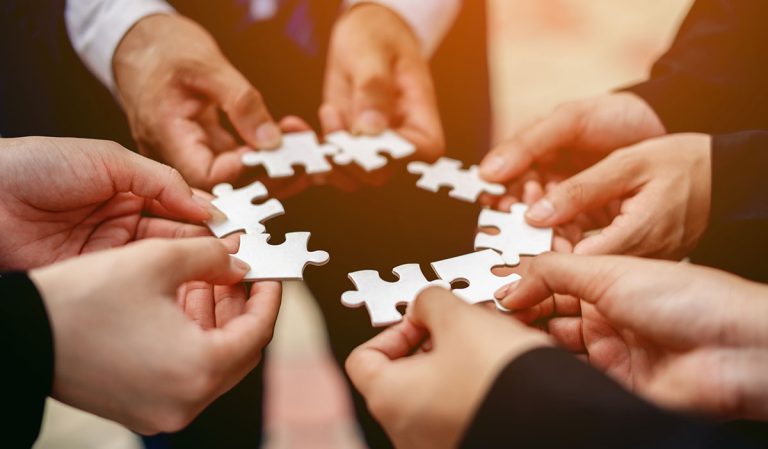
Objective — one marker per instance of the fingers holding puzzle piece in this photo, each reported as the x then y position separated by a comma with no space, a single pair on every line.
516,237
240,212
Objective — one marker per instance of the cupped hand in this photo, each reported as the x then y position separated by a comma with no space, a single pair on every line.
124,350
424,394
686,337
64,197
180,95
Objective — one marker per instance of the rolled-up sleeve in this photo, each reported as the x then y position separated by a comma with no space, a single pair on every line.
96,27
429,19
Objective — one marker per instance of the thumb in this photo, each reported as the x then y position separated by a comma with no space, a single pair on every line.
594,187
435,310
373,94
175,262
242,103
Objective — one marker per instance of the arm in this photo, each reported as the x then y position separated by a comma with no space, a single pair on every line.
27,372
712,78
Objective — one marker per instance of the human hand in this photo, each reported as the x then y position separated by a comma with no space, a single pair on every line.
377,77
574,136
657,196
686,337
173,82
426,398
63,197
124,350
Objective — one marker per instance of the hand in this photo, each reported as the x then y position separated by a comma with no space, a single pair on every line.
63,197
173,82
377,77
427,398
686,337
657,193
124,351
574,136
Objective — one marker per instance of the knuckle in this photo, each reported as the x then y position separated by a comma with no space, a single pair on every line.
247,100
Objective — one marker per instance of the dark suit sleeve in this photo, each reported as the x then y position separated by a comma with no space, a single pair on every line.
737,236
547,398
713,78
27,372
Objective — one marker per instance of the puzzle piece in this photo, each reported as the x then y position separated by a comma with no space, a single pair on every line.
475,269
301,148
466,184
241,214
366,151
278,262
515,237
381,297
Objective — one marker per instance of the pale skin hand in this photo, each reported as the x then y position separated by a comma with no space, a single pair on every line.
63,197
377,77
657,194
690,338
425,399
173,82
125,351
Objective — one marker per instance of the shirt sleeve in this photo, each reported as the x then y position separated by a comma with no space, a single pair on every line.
429,19
96,27
27,373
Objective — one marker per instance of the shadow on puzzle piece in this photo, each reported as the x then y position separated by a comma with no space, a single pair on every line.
381,298
366,151
516,237
465,185
301,148
285,261
240,212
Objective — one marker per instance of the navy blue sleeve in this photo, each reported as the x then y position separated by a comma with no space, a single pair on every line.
547,398
27,372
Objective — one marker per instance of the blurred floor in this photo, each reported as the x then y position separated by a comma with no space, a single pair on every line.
543,52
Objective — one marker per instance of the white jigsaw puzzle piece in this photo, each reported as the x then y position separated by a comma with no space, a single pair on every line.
465,185
381,297
366,151
475,269
278,262
300,148
241,214
516,237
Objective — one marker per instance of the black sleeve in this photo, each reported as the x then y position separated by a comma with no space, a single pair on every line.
737,236
27,372
547,398
712,79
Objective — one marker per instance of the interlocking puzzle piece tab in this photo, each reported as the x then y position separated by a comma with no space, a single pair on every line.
278,262
300,148
240,212
381,297
465,185
366,151
475,269
515,237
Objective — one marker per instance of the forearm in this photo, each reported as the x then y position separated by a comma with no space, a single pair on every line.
96,27
429,19
27,372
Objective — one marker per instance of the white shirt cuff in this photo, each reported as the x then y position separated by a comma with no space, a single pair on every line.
429,19
96,28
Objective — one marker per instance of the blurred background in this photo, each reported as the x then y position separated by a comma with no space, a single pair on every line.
541,52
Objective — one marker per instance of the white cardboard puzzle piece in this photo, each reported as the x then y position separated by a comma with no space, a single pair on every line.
300,148
278,262
241,214
381,297
366,151
465,185
516,237
475,269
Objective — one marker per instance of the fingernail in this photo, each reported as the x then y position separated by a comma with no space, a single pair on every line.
371,122
239,265
206,205
268,135
507,289
492,165
541,210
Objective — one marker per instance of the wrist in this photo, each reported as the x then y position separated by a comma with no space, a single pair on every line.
382,23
